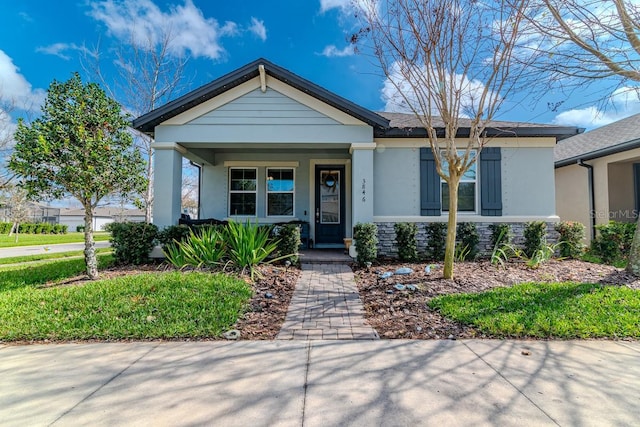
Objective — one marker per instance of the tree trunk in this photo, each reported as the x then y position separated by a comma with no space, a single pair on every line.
450,248
633,266
89,245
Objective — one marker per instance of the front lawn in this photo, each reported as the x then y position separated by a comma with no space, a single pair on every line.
548,310
47,257
143,306
7,241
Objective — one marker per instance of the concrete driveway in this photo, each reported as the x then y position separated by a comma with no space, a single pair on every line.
322,383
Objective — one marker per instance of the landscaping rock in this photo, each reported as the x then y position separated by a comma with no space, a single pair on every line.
404,270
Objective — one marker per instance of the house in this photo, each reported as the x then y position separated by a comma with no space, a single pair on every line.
102,216
598,175
35,212
275,147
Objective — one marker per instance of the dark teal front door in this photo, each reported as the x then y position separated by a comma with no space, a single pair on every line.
330,209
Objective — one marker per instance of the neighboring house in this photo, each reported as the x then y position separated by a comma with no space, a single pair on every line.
598,175
101,217
275,147
36,212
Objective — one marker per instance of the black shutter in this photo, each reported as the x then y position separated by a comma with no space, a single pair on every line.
430,200
491,182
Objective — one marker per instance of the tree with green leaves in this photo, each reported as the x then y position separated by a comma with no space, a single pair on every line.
80,147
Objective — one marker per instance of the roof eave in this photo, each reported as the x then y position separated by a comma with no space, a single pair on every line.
418,132
603,152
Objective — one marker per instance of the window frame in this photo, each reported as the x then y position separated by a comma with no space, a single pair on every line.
254,192
445,208
292,192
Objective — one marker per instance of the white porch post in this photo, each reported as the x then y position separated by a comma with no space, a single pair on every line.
362,182
167,183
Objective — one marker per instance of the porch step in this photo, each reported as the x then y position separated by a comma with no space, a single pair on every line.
324,256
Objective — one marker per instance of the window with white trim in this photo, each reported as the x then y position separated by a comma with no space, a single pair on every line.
466,189
280,191
243,191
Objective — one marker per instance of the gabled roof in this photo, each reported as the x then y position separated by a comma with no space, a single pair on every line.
385,125
613,138
149,121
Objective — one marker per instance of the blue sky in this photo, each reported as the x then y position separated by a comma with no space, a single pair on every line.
42,40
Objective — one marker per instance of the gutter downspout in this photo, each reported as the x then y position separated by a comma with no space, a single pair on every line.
199,167
592,196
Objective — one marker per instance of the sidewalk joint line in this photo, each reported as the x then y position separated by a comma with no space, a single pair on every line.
87,397
306,377
512,385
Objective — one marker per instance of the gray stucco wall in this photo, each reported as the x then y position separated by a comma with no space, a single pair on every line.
527,182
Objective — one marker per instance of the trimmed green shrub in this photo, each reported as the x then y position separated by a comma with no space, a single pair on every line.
535,237
436,240
406,241
132,241
5,227
366,235
173,233
571,238
468,240
288,242
80,228
501,234
613,241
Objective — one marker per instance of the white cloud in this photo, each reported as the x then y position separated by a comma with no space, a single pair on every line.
334,4
257,27
332,50
143,23
622,103
59,49
14,87
399,94
348,6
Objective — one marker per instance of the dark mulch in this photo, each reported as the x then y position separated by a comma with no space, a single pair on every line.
405,314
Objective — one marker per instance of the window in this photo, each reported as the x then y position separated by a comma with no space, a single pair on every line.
466,189
280,190
243,187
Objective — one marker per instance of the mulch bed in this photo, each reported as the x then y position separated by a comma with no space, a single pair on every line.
405,314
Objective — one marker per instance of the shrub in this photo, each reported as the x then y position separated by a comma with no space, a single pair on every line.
571,238
468,240
132,241
5,227
406,241
436,240
613,241
80,228
366,235
288,242
205,248
248,245
173,233
535,237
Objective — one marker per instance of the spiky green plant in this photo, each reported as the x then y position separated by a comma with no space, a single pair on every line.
248,245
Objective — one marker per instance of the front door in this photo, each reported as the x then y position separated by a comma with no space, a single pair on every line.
330,210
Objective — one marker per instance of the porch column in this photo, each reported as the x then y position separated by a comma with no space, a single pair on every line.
167,183
362,182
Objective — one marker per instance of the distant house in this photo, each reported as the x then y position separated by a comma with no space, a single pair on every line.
101,217
275,147
598,174
36,212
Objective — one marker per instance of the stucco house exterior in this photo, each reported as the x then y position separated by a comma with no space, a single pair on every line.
275,147
598,175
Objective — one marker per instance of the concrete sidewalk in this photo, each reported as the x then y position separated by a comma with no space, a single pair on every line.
15,251
322,383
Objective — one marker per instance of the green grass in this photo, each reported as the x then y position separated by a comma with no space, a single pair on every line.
47,257
146,306
554,310
19,276
7,241
590,257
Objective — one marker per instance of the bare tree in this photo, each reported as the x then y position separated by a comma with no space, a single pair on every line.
449,61
149,74
16,200
6,139
587,41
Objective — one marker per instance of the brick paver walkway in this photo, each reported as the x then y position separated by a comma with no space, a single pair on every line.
326,305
